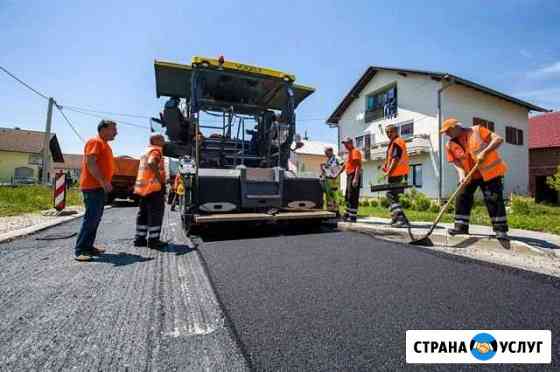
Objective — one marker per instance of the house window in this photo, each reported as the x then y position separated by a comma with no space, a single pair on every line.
484,123
406,130
359,142
415,175
381,104
514,136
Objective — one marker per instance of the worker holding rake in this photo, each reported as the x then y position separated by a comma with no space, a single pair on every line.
477,147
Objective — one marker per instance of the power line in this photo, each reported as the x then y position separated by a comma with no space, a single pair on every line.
24,83
107,112
103,117
68,121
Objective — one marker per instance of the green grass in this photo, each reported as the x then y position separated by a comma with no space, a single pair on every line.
26,199
536,218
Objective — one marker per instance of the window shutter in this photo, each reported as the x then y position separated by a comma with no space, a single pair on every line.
519,137
367,146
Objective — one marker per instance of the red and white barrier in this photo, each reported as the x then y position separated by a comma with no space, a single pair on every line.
60,191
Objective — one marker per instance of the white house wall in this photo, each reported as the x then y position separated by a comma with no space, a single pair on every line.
417,101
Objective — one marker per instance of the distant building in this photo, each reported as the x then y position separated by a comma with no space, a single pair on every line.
21,155
408,99
308,159
544,155
72,166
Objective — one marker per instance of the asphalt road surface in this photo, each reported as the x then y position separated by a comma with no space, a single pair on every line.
317,301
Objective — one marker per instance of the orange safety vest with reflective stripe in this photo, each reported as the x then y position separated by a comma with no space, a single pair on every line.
146,180
401,169
492,165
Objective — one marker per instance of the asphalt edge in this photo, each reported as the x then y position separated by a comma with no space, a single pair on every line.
12,235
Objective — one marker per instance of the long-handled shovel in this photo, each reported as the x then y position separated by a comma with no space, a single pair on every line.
425,240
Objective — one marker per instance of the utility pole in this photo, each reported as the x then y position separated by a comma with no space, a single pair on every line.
440,138
46,144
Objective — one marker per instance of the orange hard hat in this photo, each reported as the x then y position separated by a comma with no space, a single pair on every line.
448,124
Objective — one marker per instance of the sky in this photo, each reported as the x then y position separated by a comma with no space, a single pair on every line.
100,54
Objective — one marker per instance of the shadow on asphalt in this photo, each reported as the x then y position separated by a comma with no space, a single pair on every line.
241,232
178,249
539,243
413,225
121,259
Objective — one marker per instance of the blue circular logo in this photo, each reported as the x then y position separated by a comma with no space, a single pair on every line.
483,346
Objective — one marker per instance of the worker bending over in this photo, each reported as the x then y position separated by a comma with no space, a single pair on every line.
396,171
150,186
466,147
353,168
330,172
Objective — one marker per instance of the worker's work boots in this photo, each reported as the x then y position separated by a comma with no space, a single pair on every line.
156,244
458,231
140,242
399,223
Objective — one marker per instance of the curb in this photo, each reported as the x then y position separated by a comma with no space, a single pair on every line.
448,242
40,227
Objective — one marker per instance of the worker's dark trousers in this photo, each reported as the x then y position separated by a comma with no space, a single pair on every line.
397,212
150,216
492,191
352,197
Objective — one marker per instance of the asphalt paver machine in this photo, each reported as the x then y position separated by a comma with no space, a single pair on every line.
233,128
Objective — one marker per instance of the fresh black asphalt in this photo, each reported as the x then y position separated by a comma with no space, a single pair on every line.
343,300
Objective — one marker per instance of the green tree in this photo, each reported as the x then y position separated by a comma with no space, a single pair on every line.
554,181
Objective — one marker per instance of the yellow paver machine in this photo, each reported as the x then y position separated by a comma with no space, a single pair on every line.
233,128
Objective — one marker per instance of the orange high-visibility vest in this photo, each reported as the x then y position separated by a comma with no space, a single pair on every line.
402,166
492,165
146,180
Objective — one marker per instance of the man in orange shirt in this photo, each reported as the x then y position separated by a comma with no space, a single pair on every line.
395,169
467,147
95,183
353,169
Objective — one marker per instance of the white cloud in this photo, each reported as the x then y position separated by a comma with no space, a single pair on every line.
525,53
549,71
548,97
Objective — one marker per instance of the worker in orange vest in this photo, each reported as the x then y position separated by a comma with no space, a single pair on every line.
353,169
395,170
150,187
466,147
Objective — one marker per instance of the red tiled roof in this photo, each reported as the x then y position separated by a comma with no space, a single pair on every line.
28,141
544,130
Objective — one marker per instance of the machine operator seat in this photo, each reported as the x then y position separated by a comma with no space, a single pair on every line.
178,128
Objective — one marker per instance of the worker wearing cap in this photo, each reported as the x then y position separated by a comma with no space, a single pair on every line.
353,169
330,172
466,147
396,171
150,186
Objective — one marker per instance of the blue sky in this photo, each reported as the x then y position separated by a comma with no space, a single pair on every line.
99,54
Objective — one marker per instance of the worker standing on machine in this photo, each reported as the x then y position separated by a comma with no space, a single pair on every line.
395,169
150,186
467,147
353,169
